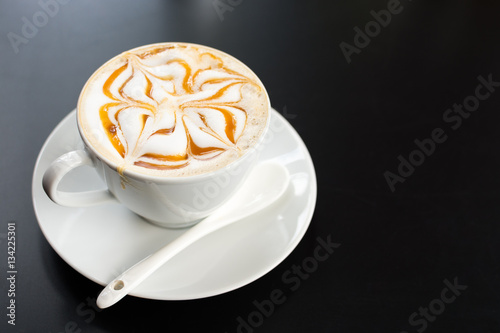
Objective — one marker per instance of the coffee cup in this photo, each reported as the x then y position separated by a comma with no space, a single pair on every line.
172,129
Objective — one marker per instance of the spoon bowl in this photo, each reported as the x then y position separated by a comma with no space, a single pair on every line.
266,183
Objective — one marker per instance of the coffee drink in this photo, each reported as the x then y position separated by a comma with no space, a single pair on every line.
173,129
173,109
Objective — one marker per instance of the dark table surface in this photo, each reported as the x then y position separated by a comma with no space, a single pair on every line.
398,103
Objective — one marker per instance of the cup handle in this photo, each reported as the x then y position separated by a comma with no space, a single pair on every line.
59,168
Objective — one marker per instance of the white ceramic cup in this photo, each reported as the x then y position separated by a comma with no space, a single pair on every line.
173,202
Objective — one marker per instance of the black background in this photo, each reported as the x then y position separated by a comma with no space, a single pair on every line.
397,247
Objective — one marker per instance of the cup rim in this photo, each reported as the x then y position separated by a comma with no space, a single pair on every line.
173,179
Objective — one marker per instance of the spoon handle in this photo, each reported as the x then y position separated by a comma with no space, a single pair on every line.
266,183
135,275
131,278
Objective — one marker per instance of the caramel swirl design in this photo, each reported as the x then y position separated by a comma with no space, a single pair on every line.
165,109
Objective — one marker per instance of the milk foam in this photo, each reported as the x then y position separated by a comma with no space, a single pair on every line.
173,109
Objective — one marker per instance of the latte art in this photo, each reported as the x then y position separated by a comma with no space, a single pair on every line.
174,109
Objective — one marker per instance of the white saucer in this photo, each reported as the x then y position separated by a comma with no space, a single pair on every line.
101,242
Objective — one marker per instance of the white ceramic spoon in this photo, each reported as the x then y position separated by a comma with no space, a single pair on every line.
265,184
